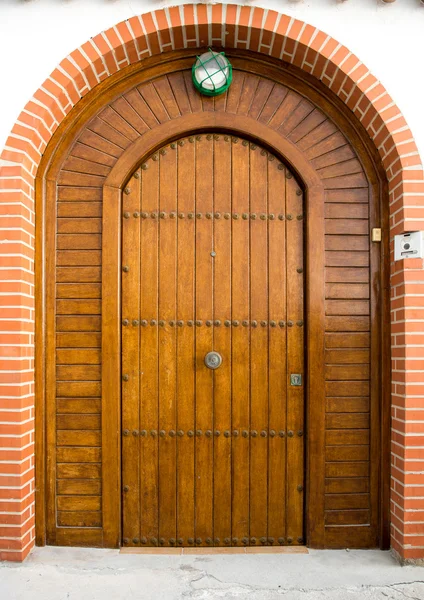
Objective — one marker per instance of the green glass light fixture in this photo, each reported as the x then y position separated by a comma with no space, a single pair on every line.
212,73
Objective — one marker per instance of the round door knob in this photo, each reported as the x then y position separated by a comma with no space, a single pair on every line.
213,360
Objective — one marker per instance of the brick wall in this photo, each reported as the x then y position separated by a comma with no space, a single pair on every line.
16,362
189,26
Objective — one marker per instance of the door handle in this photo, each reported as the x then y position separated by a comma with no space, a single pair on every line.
213,360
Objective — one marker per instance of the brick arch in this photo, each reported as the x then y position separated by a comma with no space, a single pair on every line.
231,26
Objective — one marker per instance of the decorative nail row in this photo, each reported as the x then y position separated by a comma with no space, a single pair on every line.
210,215
209,137
228,541
209,433
210,323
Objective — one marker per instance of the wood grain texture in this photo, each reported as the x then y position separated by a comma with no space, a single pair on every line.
216,258
76,293
130,336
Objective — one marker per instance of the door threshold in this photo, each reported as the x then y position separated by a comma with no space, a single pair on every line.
249,550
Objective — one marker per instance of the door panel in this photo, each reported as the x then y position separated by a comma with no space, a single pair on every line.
295,350
131,360
259,308
212,249
166,356
240,351
222,342
277,359
204,340
186,375
149,349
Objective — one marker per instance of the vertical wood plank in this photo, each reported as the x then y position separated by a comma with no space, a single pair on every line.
258,345
204,339
315,484
185,343
149,376
295,360
240,300
222,341
111,372
130,337
277,354
167,343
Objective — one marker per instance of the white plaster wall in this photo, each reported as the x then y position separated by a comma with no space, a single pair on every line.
36,34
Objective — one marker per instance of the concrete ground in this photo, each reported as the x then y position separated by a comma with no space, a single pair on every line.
88,574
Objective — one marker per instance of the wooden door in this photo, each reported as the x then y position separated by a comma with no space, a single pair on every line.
212,260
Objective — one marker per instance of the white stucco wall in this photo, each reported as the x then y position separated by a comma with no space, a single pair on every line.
36,34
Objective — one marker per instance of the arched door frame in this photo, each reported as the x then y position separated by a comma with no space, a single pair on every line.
314,308
127,163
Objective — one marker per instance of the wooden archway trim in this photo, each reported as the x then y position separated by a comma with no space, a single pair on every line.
111,310
187,124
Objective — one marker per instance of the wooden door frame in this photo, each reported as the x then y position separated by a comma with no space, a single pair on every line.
314,307
45,197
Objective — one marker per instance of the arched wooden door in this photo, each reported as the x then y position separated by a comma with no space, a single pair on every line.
212,261
209,487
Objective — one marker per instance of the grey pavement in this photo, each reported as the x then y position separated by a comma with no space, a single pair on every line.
89,574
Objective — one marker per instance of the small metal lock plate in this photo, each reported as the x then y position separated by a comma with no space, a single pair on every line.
213,360
296,379
376,234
